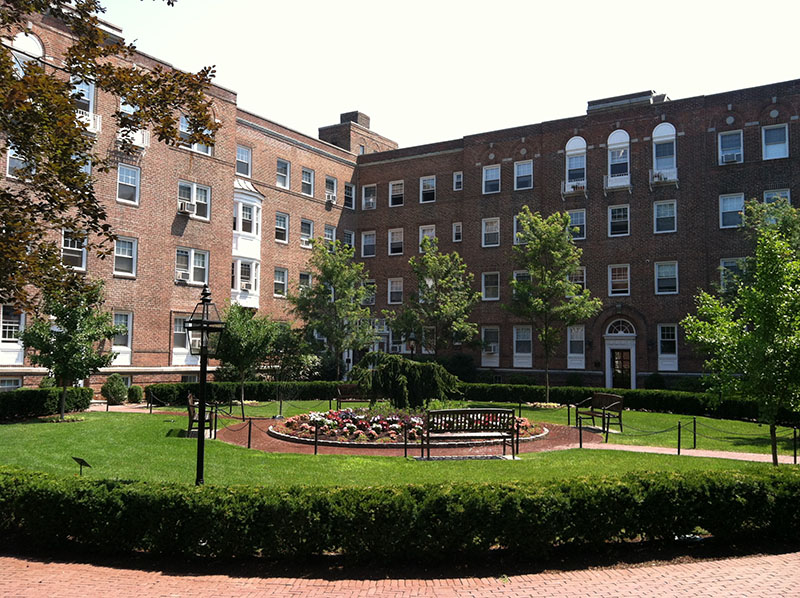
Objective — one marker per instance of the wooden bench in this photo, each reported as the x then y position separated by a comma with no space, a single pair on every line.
604,405
480,424
348,393
194,416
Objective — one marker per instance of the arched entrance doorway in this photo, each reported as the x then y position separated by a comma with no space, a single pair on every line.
620,341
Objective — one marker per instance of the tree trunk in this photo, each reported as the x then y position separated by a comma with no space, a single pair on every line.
774,439
62,403
546,380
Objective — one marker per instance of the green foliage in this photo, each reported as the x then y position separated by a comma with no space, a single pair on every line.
406,383
438,312
752,333
47,382
655,381
66,343
114,390
385,524
135,394
28,402
333,305
546,297
39,120
461,365
225,392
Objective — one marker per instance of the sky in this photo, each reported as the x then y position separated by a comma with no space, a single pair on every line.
427,71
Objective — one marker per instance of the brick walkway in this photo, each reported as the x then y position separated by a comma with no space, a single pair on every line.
773,576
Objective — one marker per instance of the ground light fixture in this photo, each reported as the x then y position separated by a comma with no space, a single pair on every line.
203,330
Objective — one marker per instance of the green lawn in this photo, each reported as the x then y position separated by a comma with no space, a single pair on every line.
150,447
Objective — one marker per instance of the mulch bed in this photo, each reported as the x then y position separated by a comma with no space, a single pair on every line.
560,437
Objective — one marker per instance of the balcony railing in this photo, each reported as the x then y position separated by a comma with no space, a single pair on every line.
93,122
140,138
573,188
663,176
612,183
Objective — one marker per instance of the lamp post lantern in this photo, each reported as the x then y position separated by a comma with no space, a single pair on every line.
203,330
412,343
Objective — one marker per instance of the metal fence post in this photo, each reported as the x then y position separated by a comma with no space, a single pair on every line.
249,430
580,431
794,430
679,438
568,409
405,441
520,407
694,432
316,437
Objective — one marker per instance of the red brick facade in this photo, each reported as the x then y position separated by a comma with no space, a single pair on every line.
351,154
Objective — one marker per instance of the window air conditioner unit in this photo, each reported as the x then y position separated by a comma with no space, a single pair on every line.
491,348
194,343
247,286
186,207
731,157
330,198
394,348
182,275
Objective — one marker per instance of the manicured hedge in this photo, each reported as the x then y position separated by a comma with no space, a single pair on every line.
665,401
412,523
224,392
33,402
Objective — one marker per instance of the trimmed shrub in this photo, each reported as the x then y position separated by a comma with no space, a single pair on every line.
114,390
421,523
35,402
226,392
47,382
135,394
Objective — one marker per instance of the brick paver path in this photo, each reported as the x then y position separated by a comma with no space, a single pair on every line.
773,576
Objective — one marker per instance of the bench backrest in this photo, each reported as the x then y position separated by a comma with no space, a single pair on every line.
348,391
190,403
470,420
605,400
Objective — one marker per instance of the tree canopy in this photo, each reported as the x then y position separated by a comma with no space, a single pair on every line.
544,293
438,312
53,153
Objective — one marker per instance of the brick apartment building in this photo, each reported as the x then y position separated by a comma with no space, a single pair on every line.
655,187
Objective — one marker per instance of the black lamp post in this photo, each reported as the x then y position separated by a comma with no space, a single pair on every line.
207,328
412,343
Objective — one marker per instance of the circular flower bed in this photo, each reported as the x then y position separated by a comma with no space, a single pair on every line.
363,425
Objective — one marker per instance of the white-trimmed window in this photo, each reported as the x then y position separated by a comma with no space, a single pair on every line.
349,238
774,195
775,142
198,195
191,265
283,173
523,175
575,164
330,233
331,188
395,194
281,227
619,280
664,159
579,277
458,231
523,347
730,147
619,156
305,280
368,243
350,196
10,384
84,100
123,339
125,257
668,347
618,221
576,347
307,182
15,162
280,284
491,179
73,250
179,336
490,352
306,233
11,324
729,269
244,275
244,161
369,298
395,241
128,184
731,208
666,278
395,291
577,224
246,218
201,148
426,230
26,48
521,276
458,181
665,216
427,189
490,286
368,196
490,236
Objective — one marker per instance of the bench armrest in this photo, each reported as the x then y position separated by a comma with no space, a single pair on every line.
583,402
614,404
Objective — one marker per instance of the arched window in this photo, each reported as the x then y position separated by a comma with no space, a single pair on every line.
621,327
575,164
26,48
665,166
618,159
